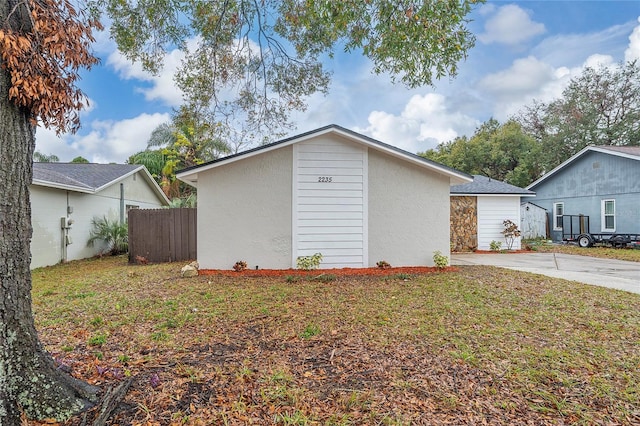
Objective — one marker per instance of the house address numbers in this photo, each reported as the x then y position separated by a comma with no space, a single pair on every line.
325,178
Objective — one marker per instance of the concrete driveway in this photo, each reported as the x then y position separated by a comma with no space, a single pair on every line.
610,273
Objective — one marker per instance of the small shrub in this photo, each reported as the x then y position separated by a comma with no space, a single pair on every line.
495,245
240,265
114,234
309,262
440,260
383,264
510,232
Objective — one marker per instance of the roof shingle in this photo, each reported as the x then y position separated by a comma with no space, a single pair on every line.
485,185
87,176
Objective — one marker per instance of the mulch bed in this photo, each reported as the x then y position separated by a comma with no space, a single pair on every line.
259,273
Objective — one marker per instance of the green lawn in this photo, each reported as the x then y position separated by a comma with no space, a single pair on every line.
478,345
629,254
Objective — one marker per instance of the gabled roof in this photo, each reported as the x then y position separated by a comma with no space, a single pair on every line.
483,185
89,178
190,174
631,152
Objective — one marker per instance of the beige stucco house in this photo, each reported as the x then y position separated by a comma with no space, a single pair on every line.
65,197
332,191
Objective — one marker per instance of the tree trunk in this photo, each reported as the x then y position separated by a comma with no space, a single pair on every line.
29,379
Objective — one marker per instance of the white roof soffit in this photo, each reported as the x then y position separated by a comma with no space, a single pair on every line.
190,176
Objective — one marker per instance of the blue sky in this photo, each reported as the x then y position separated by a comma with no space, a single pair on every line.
525,50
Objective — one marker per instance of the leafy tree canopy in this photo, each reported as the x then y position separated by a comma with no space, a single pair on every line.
80,159
599,107
500,151
39,157
253,62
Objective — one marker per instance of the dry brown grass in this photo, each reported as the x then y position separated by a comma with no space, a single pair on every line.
481,345
629,254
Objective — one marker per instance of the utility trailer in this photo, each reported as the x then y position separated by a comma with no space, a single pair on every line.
575,229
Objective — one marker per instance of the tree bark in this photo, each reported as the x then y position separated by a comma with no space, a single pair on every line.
29,379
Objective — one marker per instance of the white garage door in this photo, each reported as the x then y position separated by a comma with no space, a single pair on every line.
329,199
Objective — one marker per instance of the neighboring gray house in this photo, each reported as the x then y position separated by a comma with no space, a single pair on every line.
65,197
332,191
601,182
478,210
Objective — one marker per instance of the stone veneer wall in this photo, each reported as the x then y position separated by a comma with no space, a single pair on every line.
464,223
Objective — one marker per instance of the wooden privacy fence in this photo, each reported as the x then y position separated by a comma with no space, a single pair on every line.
163,235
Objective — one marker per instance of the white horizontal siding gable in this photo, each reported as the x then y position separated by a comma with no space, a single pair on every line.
329,202
492,212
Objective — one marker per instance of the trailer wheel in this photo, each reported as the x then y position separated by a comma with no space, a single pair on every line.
585,240
618,241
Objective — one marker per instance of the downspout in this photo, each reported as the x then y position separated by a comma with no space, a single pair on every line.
65,224
65,232
121,203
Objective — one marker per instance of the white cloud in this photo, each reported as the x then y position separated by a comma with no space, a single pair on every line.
525,76
544,77
425,121
511,25
107,141
571,50
163,87
530,79
526,80
633,51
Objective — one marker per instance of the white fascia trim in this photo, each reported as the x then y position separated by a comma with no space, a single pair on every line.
456,178
558,168
191,177
123,177
48,184
613,152
148,178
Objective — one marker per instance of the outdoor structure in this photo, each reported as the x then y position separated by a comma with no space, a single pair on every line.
478,211
65,197
332,191
534,222
601,182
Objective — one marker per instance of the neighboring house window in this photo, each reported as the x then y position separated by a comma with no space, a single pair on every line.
608,215
558,211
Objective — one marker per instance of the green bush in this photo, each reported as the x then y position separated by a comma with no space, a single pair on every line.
309,262
113,233
440,260
495,245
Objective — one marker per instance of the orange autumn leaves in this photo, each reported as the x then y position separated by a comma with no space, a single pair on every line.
43,45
